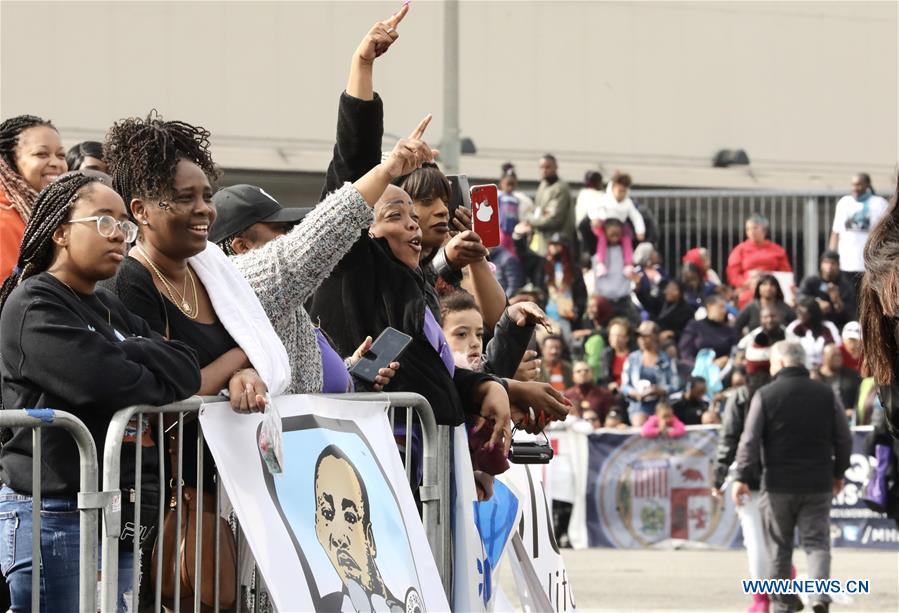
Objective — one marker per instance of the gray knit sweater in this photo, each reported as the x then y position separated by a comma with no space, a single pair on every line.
285,272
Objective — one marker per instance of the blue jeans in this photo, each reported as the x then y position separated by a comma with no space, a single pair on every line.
59,553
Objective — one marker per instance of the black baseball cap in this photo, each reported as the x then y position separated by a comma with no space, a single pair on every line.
240,206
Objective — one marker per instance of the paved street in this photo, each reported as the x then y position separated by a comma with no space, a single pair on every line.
637,580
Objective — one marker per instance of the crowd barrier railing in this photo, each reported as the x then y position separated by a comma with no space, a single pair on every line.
89,499
434,493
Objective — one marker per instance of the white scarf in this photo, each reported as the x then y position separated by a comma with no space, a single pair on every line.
240,311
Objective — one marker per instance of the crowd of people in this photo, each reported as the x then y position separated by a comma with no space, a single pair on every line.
125,254
653,332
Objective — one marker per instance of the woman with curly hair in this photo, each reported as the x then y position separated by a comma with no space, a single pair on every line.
31,157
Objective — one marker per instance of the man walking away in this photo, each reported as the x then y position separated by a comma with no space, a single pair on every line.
798,429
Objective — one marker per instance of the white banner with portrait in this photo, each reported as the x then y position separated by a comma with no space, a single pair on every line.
338,530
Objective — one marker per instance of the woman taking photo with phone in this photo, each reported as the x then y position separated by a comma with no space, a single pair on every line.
50,309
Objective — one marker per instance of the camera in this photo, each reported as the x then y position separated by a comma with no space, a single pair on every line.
531,452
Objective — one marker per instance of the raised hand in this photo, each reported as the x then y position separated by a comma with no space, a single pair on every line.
410,153
465,248
379,38
529,314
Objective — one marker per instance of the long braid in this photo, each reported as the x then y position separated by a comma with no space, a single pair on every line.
21,195
51,209
143,154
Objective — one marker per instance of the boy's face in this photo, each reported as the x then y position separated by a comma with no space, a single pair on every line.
697,391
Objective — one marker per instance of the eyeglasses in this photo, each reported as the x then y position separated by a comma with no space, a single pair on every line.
107,226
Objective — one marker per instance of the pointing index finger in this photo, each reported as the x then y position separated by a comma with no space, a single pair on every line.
419,131
395,20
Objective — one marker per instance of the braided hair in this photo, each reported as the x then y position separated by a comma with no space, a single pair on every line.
143,154
10,131
51,209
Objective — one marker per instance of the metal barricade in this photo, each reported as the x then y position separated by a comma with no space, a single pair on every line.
799,221
89,499
434,492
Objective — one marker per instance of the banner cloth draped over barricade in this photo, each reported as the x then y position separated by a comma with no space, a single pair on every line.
633,492
339,529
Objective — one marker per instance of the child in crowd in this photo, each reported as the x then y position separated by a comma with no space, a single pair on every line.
693,405
613,421
663,423
616,204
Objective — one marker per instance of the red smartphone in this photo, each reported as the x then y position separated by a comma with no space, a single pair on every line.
485,213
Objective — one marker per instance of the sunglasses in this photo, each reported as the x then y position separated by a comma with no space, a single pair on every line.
107,226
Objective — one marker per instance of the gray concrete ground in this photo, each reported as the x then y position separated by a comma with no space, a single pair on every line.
638,580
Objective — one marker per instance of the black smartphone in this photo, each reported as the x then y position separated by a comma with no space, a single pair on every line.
459,195
530,452
387,348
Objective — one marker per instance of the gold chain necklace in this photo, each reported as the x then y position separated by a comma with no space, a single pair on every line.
74,293
181,300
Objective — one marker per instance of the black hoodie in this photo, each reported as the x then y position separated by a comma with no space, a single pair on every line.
85,354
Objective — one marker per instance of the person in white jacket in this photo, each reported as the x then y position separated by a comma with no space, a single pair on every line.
616,203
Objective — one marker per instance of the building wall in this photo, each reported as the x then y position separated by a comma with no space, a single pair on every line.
808,89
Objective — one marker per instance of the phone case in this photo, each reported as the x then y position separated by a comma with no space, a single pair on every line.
485,212
387,348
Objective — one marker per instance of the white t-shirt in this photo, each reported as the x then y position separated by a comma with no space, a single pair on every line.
852,221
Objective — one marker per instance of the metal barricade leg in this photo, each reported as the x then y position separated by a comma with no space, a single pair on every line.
36,520
88,498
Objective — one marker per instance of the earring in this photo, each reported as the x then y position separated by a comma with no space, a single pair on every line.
145,222
370,235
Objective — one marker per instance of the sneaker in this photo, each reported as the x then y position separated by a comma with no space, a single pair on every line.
821,607
759,604
795,602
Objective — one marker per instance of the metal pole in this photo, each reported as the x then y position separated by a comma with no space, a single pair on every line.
136,539
87,496
450,147
36,520
811,235
112,512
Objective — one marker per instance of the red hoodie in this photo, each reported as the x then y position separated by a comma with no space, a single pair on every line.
747,256
12,228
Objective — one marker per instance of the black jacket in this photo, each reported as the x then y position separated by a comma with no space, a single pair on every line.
709,334
798,429
675,317
735,410
360,128
370,290
87,355
506,349
815,287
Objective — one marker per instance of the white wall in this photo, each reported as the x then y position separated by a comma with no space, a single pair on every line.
808,89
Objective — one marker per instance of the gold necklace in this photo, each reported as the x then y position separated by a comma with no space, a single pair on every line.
181,301
74,293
